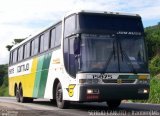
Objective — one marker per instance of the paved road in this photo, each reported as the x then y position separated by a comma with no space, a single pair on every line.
42,107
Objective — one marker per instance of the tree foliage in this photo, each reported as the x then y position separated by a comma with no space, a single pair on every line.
152,35
3,72
15,41
155,65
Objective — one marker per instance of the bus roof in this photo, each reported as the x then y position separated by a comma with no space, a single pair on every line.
70,13
101,12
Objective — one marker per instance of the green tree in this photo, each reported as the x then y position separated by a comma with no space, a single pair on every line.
3,73
16,41
152,35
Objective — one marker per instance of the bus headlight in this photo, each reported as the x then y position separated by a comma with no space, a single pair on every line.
143,91
92,91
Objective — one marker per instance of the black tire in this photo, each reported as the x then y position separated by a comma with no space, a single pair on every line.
17,94
22,99
112,104
59,98
53,101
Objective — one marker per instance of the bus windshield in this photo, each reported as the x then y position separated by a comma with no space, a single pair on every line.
113,53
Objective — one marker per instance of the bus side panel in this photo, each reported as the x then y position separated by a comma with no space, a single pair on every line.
55,71
68,83
25,78
41,75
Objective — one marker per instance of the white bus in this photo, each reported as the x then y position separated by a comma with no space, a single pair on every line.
86,57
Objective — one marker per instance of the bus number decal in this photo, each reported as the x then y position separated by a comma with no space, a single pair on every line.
70,89
103,76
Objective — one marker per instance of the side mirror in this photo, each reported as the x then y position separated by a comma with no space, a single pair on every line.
76,46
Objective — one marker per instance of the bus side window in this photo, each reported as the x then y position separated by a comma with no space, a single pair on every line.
27,50
20,53
32,47
46,40
10,58
53,38
58,35
35,46
70,25
41,43
15,56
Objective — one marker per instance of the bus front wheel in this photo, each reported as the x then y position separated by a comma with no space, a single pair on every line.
59,97
112,104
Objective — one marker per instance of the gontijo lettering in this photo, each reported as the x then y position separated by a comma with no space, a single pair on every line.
23,67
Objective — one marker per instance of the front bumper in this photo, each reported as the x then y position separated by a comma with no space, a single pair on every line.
114,91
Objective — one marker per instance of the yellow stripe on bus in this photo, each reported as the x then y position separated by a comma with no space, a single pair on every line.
27,81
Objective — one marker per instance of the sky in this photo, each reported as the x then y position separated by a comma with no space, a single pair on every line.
22,18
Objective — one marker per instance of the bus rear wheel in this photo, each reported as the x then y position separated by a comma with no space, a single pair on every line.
22,98
17,94
112,104
59,98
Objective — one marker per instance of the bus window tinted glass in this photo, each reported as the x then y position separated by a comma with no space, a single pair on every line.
103,22
58,35
35,46
15,56
53,37
20,53
70,25
32,50
46,40
27,50
10,58
41,43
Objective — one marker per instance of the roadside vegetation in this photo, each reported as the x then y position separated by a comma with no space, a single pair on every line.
4,80
4,87
154,90
152,36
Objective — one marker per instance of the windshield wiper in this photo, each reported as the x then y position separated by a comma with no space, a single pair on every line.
123,53
109,59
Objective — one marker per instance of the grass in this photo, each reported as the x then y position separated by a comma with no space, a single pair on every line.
154,96
154,90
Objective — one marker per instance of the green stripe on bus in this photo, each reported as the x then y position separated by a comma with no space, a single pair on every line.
44,75
127,77
41,75
38,76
